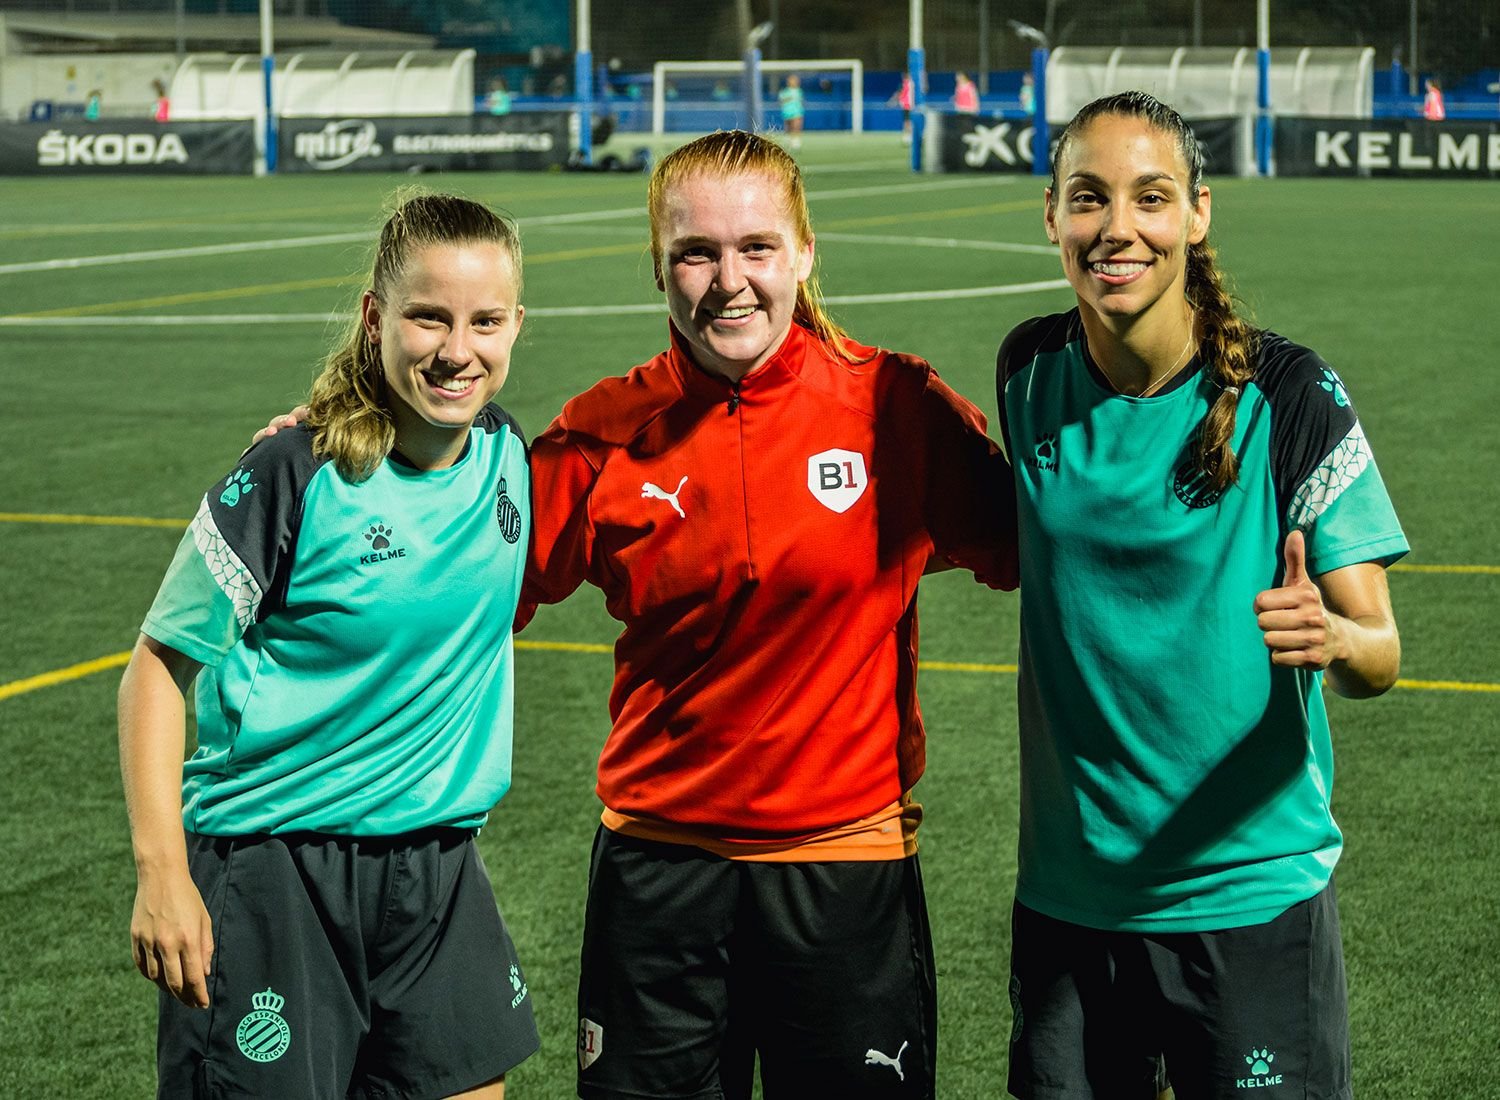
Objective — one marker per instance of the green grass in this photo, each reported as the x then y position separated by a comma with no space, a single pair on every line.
1391,281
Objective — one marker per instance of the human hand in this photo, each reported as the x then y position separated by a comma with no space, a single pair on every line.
172,936
1298,629
286,420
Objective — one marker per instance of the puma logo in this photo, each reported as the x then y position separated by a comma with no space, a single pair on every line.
656,492
874,1057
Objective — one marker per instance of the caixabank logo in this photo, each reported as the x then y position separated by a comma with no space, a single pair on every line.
55,149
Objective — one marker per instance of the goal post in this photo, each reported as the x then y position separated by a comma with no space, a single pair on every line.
700,102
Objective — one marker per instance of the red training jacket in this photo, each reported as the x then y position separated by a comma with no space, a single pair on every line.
762,545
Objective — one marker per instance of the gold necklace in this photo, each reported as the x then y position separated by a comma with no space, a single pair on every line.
1164,376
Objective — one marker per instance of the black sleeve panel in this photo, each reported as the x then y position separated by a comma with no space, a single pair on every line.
258,509
1310,412
492,418
1025,342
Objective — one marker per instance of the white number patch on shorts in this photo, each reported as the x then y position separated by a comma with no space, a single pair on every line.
590,1042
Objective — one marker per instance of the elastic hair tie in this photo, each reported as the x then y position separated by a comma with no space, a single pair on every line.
1232,391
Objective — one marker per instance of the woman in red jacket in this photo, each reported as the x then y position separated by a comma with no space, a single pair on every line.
758,503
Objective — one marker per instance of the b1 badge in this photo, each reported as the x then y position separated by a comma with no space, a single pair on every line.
837,478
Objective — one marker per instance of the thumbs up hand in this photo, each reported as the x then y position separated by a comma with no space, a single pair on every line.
1299,631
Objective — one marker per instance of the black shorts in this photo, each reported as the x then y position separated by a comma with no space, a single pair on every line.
347,966
1258,1007
694,964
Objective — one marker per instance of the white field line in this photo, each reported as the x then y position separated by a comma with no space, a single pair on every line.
278,243
977,180
622,310
316,240
941,242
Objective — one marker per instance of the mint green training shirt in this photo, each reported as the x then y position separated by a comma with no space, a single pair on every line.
355,638
1172,778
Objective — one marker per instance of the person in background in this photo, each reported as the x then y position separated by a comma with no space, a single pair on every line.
93,105
792,109
1027,95
1204,537
310,899
1433,108
161,108
497,100
965,95
906,99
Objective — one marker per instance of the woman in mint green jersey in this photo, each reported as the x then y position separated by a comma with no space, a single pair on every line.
310,899
1204,536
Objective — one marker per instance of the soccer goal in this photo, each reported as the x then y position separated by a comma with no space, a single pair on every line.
697,96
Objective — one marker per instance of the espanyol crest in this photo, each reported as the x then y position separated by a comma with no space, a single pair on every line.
837,478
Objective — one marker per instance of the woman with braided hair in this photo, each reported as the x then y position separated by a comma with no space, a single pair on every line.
1204,536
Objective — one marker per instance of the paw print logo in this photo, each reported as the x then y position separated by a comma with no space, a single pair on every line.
1046,451
236,486
1331,384
1260,1060
515,977
378,536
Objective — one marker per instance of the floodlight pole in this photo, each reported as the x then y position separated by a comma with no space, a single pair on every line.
984,47
1263,95
752,88
583,83
1413,66
916,68
268,72
1041,137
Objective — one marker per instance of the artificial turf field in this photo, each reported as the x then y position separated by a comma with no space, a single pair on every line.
115,423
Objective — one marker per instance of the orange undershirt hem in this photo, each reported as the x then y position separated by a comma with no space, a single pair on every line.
888,834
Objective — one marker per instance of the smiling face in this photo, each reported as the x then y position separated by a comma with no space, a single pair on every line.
445,329
731,262
1123,217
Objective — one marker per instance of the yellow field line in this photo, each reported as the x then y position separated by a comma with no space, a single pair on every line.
92,521
118,660
197,296
1403,567
1446,685
63,675
143,521
963,666
556,256
929,215
565,647
256,289
363,208
584,253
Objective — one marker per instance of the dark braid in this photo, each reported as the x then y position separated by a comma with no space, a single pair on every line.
1228,349
1228,345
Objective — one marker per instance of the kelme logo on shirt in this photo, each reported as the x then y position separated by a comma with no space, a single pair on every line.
1330,384
507,514
236,485
379,537
263,1035
1044,454
1261,1076
518,984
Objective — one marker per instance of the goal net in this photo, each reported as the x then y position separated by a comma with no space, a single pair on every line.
700,96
